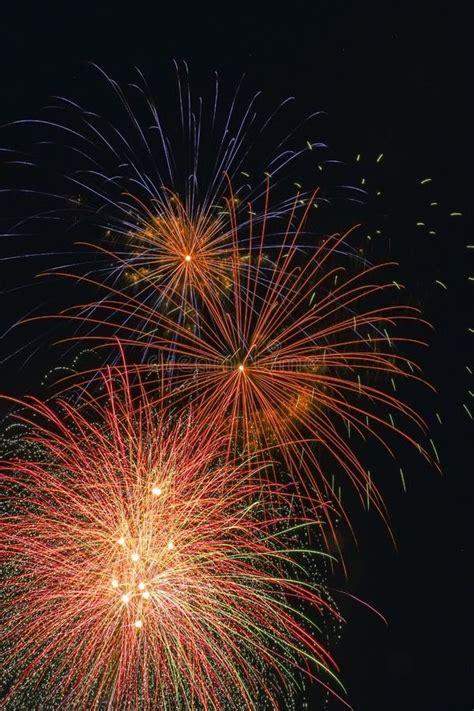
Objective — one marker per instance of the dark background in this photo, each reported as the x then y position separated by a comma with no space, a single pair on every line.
392,77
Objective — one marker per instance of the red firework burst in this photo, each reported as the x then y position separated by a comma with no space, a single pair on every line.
139,571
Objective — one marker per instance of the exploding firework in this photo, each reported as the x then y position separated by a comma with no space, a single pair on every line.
301,352
147,188
139,569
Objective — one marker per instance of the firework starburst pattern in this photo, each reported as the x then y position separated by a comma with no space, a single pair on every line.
172,516
141,571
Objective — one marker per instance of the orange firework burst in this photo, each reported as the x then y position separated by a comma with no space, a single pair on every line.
139,571
172,256
298,351
151,187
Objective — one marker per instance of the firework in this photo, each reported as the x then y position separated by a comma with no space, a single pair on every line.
138,569
302,352
147,193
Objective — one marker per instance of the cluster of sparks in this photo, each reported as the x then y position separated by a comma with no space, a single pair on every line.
156,536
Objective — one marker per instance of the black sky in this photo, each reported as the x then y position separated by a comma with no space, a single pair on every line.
392,77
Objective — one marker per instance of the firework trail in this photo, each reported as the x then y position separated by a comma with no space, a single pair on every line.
138,569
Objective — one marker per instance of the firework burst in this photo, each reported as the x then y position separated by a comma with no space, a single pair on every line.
148,193
139,571
302,348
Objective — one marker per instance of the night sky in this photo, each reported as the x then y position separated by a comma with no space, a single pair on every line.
394,79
